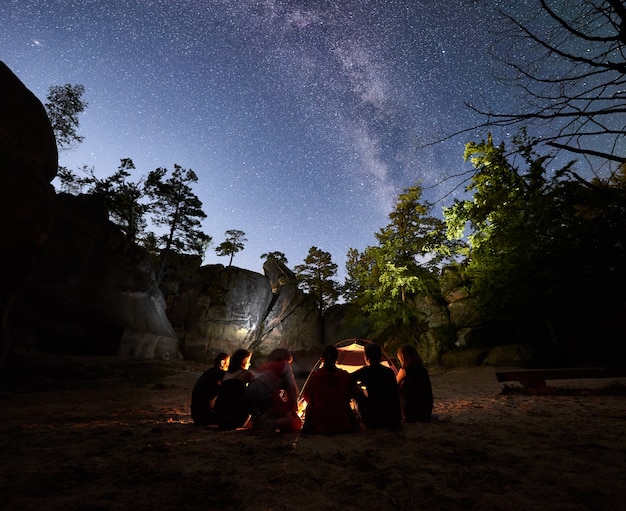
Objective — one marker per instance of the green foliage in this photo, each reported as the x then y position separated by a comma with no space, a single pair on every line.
539,241
406,261
234,243
360,274
506,219
64,103
413,238
316,276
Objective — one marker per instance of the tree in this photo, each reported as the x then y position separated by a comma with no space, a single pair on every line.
179,210
316,277
509,219
406,260
539,241
69,182
123,199
278,256
361,274
234,243
572,76
64,103
413,237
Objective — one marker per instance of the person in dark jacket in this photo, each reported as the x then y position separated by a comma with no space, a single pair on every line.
416,393
379,400
229,408
205,391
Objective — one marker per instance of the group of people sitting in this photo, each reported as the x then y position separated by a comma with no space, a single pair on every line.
230,396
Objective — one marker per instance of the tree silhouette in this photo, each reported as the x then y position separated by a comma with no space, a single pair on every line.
64,103
122,198
278,256
234,243
179,210
572,78
567,61
316,277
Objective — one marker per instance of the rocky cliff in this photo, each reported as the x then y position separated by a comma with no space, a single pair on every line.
28,163
224,308
92,293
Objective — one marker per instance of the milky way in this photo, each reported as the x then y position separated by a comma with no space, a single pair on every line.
301,119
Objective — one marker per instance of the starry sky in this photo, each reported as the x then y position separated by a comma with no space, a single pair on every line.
300,118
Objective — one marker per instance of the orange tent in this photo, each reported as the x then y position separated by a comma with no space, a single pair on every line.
351,358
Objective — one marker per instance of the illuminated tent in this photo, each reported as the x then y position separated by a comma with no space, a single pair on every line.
351,357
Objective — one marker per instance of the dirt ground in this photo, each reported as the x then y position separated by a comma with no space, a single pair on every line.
111,434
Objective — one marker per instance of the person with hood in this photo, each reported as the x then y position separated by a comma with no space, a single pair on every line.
272,397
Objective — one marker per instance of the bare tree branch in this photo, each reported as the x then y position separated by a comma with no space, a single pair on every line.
568,61
586,151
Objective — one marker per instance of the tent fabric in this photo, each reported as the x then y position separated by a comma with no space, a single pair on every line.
351,357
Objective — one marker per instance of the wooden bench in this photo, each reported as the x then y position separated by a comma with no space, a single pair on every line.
536,378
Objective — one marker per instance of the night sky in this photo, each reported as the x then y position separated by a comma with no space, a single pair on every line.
301,118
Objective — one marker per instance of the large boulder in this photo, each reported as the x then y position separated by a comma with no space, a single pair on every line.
93,293
293,322
28,163
225,308
219,309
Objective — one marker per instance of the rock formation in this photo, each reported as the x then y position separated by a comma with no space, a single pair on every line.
28,163
294,322
92,292
219,309
225,308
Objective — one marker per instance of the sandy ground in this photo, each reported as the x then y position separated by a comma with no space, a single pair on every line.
102,434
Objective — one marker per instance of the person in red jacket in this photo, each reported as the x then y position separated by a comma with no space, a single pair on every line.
328,394
271,398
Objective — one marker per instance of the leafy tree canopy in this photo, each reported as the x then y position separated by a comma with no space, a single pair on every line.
405,262
539,240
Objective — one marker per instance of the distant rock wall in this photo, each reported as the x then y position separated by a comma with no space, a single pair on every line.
89,292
